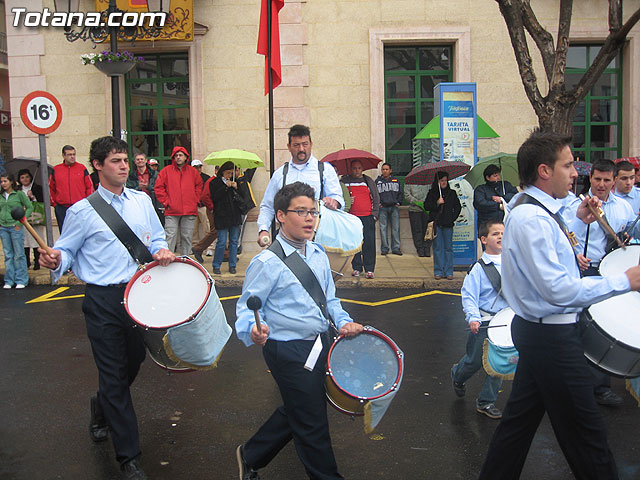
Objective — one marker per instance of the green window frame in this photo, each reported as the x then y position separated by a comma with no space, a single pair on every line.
158,107
410,73
597,123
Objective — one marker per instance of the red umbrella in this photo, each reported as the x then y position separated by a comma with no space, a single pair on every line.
424,175
634,160
342,160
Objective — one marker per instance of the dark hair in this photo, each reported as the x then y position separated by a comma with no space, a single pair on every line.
624,165
603,165
67,147
299,131
135,154
540,148
484,227
225,166
439,174
24,171
491,170
103,146
283,198
387,164
11,178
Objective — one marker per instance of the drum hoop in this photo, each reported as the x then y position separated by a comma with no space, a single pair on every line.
588,321
611,254
153,264
371,331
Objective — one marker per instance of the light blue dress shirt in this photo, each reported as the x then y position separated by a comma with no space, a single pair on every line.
619,215
287,308
633,198
478,293
306,173
540,276
92,250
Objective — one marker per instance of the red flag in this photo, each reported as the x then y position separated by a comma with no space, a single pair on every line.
263,42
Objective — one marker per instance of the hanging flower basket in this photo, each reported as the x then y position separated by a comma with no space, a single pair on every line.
112,63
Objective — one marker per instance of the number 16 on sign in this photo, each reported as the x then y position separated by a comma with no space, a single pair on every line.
41,112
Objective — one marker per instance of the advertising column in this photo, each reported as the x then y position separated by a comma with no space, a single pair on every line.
456,105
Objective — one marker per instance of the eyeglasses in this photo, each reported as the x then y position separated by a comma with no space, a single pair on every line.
303,212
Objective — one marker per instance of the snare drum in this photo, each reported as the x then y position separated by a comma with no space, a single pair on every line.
362,368
500,357
183,323
340,233
619,260
611,333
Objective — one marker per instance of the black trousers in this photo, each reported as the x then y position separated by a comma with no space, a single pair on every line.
302,417
552,377
61,212
418,222
118,350
367,257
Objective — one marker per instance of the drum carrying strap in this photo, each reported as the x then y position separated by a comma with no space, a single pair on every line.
285,170
120,229
493,274
306,277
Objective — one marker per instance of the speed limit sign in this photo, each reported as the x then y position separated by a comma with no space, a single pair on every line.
41,112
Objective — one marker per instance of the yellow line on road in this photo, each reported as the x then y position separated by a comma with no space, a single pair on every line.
51,296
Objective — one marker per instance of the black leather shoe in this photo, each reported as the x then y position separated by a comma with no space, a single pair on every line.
609,399
132,470
98,429
197,255
217,271
246,472
232,269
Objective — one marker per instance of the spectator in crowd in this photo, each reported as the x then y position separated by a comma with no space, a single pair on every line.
365,204
390,193
143,178
244,187
178,188
203,245
12,232
34,194
201,228
442,201
69,183
415,195
153,164
487,198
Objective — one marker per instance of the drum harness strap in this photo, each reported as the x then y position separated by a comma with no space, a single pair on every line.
285,170
306,277
120,229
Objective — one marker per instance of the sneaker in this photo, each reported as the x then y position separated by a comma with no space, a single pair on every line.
217,271
355,273
397,253
608,398
197,255
7,286
232,269
383,253
449,277
19,285
490,411
246,472
132,470
437,277
369,275
459,388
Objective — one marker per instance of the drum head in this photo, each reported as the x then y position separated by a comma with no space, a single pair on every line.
162,297
619,260
501,336
366,366
617,318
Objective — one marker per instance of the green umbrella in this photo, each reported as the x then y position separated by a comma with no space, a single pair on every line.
507,162
240,158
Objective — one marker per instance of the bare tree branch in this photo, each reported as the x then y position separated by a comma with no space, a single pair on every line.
556,85
542,38
615,15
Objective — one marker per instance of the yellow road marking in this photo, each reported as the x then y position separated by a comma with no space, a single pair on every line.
51,296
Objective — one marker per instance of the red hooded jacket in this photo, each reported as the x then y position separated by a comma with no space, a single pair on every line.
69,184
179,189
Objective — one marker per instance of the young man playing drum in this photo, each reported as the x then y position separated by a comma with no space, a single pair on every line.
480,301
292,335
97,257
541,283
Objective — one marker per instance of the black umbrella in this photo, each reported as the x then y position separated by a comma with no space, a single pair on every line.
32,164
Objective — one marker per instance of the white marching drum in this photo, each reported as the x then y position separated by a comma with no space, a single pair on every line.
619,260
499,330
499,356
184,325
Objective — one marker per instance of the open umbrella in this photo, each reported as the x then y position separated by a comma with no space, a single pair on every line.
583,168
240,158
424,175
634,160
507,162
32,164
342,160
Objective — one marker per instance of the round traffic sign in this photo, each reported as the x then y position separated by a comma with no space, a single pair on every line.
41,112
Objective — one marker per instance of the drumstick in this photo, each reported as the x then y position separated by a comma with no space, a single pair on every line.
603,223
18,214
254,303
488,326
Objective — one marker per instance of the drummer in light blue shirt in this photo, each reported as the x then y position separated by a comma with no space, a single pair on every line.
303,167
97,257
625,185
480,301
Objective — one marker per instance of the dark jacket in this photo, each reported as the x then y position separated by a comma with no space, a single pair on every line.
225,213
486,207
134,183
389,190
444,215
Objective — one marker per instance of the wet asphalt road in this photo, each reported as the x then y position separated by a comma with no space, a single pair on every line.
190,423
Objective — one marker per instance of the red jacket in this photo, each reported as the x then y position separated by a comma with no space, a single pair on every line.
69,184
179,189
205,197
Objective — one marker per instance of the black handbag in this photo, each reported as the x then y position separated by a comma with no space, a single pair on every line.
239,202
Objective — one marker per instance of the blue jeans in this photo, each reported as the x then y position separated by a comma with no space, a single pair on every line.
471,363
14,260
385,214
218,255
443,252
